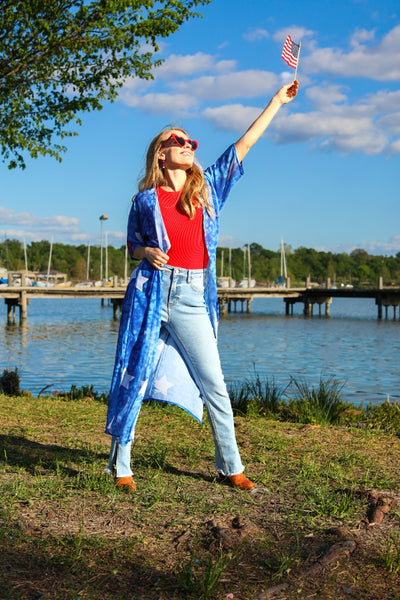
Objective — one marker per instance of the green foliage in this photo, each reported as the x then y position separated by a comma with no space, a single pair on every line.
322,405
183,535
390,558
257,397
301,403
200,577
86,391
60,58
66,258
358,268
10,382
384,417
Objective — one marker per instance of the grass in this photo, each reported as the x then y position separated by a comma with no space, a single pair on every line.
299,402
391,555
66,532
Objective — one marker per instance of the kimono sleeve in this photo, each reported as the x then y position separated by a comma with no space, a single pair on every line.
135,237
223,174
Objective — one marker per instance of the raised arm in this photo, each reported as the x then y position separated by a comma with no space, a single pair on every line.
255,131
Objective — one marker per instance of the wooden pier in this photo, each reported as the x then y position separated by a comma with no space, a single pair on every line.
19,297
229,298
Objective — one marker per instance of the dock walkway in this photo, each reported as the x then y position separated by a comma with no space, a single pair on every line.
229,298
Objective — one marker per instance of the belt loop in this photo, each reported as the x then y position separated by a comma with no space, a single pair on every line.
189,276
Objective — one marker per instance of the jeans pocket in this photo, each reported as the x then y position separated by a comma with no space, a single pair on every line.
197,283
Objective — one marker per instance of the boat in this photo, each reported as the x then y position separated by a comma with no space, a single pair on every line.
226,282
245,283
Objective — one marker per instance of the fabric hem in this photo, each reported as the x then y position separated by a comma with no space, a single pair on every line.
178,405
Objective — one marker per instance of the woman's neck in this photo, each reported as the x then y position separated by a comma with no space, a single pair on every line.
175,180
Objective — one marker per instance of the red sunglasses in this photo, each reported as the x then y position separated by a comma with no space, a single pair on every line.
181,141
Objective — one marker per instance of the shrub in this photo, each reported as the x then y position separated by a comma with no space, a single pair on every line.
258,397
322,405
10,383
384,417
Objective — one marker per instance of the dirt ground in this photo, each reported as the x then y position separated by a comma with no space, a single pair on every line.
67,533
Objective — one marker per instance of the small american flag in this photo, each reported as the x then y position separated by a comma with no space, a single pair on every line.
290,52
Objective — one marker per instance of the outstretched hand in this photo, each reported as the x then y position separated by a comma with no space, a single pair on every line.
288,92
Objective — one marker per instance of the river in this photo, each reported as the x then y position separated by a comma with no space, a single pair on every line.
72,342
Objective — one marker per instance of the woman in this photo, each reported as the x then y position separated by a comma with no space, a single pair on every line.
167,348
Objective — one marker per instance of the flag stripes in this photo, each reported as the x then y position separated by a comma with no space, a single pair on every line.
290,52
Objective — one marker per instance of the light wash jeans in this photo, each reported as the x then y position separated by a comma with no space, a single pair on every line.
184,316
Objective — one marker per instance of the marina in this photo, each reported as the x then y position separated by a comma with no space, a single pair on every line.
313,299
67,342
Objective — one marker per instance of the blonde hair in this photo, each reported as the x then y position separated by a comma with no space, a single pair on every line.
194,192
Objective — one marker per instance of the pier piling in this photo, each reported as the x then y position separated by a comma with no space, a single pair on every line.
228,298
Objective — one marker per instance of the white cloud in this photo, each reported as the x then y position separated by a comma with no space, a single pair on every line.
179,65
229,241
30,227
380,62
255,35
59,228
244,84
171,104
330,132
135,84
391,247
367,126
322,96
362,35
181,92
297,34
328,116
394,147
232,117
8,216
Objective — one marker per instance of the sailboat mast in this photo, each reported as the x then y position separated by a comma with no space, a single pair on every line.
25,256
230,267
49,265
249,263
88,263
283,260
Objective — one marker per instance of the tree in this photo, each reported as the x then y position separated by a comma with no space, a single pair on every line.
59,58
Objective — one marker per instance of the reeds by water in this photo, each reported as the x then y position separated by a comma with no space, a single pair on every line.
297,402
301,402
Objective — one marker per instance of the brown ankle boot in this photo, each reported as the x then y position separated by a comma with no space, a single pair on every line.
241,482
126,483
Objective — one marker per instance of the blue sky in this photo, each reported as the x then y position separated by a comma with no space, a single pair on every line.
325,175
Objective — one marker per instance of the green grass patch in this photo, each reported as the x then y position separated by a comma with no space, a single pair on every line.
184,535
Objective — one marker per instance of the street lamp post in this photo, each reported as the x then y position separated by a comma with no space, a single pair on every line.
102,219
106,236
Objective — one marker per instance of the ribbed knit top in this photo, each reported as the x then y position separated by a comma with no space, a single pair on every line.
188,248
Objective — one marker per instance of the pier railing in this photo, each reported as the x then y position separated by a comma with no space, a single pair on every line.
229,298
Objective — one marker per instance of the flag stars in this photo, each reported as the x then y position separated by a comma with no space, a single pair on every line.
126,379
162,385
140,281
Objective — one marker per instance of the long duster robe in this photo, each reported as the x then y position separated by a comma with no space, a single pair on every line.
147,366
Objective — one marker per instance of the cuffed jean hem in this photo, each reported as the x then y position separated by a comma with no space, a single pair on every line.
120,459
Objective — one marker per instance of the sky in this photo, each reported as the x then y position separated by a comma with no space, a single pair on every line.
326,173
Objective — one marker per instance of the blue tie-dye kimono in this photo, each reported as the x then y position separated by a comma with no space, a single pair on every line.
140,351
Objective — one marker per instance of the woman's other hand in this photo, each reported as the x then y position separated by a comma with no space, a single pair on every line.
156,257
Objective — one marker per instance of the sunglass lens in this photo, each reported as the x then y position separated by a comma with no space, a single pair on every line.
194,144
179,140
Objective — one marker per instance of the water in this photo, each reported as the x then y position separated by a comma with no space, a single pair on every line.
72,342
